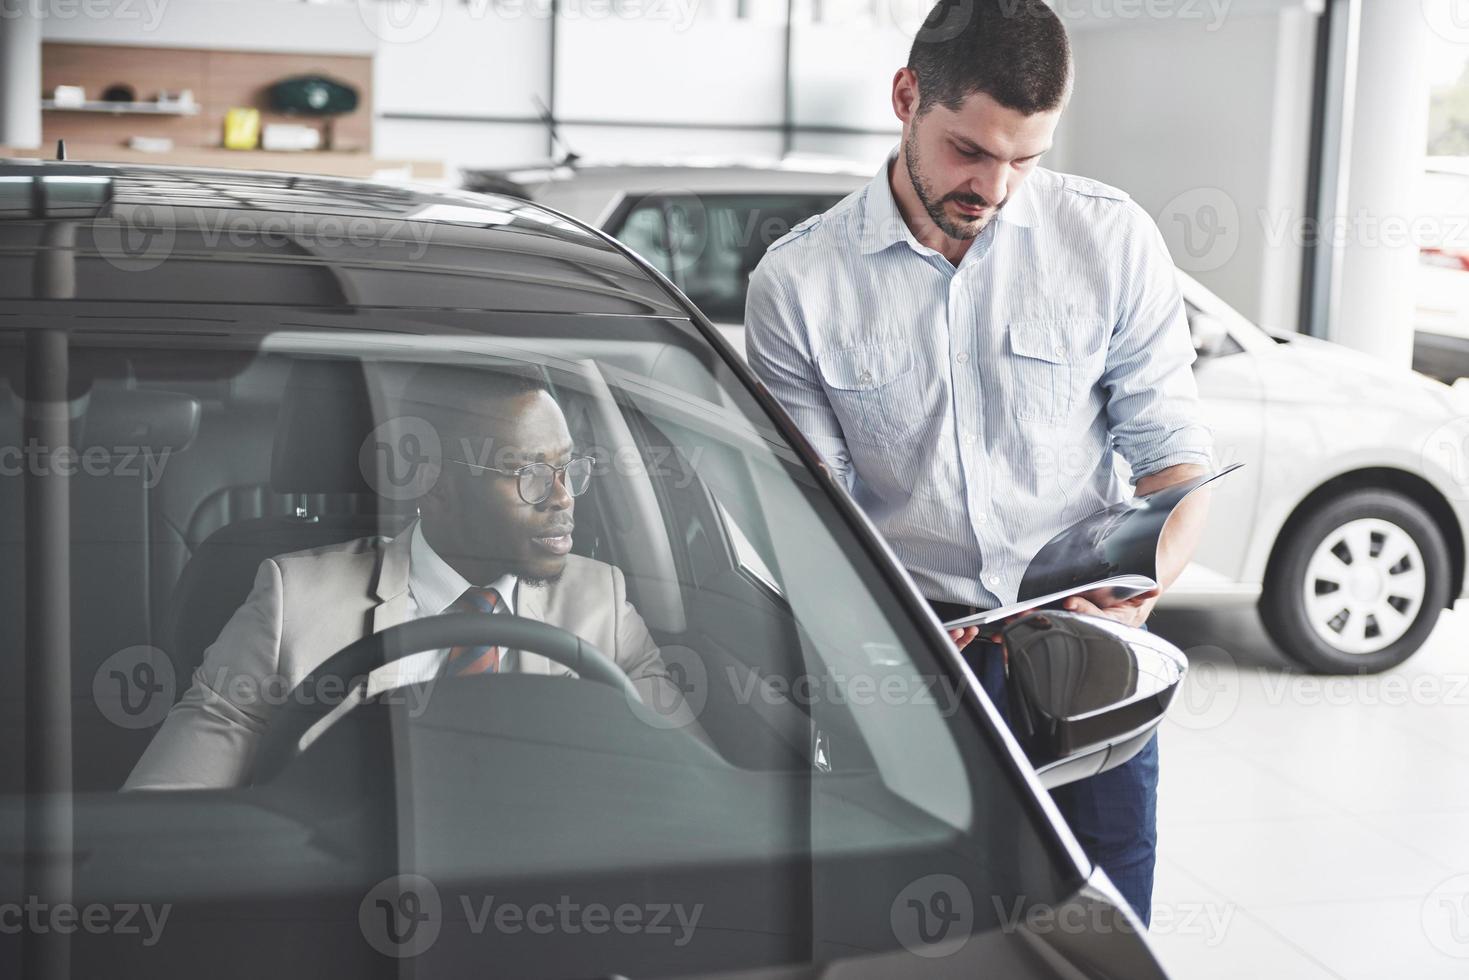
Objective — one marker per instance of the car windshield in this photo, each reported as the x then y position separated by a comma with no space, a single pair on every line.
763,762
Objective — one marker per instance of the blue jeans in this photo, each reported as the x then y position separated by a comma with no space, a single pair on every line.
1113,814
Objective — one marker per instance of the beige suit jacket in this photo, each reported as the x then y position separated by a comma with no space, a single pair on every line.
306,606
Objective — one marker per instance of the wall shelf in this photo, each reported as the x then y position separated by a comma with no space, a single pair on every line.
124,108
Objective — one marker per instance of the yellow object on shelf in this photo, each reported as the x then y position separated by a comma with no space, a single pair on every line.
242,129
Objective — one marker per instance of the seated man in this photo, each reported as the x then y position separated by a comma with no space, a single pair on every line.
493,535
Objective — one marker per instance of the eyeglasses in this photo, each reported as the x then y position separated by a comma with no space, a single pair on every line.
535,481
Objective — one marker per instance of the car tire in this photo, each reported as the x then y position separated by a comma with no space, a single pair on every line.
1316,568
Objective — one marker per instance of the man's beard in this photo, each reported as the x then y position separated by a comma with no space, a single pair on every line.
934,204
541,580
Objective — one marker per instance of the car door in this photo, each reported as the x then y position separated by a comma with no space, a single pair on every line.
853,807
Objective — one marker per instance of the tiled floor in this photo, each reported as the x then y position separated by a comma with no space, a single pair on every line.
1313,827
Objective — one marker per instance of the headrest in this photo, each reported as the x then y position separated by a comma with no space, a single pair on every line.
325,417
125,420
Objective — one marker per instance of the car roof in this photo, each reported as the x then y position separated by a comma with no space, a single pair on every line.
254,237
698,175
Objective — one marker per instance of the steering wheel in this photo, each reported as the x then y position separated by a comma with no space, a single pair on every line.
282,740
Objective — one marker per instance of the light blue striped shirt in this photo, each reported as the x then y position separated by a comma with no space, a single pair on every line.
974,411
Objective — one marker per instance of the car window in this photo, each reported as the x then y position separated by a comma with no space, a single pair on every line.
795,778
709,244
1228,346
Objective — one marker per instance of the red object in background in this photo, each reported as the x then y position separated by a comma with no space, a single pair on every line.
1450,258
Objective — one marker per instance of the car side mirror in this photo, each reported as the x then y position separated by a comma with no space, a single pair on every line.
1209,334
1085,693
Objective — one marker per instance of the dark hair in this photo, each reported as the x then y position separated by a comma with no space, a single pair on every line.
1014,51
451,397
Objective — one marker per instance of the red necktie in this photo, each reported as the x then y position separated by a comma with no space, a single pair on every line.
465,660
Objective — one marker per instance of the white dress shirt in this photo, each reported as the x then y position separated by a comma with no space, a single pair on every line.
974,410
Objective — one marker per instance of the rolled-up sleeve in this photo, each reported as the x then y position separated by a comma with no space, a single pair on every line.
778,350
1152,398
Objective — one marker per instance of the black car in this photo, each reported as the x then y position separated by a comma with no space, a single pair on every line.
200,373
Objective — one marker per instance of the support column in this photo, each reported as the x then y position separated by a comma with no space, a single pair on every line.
20,77
1375,299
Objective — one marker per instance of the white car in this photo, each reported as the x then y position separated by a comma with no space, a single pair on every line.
1348,524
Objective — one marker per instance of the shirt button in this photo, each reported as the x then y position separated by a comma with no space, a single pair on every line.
994,580
1060,350
982,518
961,357
866,378
968,438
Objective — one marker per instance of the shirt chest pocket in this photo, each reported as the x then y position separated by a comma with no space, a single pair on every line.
874,391
1052,363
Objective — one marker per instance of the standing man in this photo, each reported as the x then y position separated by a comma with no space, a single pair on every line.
970,339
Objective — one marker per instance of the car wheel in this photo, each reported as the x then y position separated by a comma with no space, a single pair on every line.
1358,585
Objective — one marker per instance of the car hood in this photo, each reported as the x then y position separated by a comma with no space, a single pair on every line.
1306,369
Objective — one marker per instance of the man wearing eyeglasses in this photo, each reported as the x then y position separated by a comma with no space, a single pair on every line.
494,536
